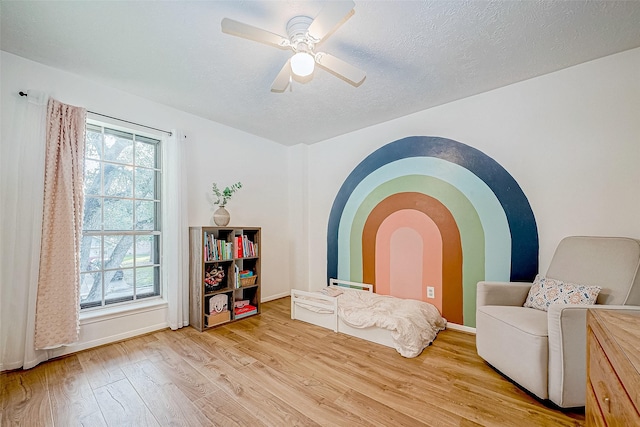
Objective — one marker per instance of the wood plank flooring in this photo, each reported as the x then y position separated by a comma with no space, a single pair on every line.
269,370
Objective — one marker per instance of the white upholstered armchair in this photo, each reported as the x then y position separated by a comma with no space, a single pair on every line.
545,351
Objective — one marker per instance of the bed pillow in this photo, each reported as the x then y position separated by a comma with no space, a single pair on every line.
546,291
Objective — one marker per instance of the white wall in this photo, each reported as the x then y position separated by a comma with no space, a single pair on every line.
215,153
571,139
298,158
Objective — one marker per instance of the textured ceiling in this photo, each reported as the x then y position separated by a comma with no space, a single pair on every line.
417,54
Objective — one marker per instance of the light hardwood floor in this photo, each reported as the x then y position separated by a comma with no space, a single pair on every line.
270,370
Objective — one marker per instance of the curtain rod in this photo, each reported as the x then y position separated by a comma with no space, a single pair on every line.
21,93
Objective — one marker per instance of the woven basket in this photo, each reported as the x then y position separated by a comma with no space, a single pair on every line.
248,281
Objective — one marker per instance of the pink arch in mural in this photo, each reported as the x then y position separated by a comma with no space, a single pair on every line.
451,245
409,257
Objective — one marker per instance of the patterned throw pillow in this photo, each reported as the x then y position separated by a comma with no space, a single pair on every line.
546,291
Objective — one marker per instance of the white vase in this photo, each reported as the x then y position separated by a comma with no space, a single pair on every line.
221,217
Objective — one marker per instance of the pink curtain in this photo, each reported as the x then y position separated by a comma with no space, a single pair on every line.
58,303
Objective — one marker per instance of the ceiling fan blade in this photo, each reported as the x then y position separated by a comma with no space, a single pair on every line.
348,72
330,16
283,79
250,32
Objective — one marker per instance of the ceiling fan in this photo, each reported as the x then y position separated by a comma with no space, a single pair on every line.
303,35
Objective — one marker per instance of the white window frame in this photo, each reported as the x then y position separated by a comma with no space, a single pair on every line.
106,307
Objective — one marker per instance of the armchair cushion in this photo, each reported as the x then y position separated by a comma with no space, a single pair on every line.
517,345
546,291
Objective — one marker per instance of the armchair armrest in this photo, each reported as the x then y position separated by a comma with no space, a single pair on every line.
501,293
567,325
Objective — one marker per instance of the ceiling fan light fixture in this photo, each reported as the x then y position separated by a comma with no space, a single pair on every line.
303,34
302,64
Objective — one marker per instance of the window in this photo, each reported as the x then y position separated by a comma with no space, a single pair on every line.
120,251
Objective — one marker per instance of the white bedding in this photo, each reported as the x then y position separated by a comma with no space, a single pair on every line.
320,305
413,324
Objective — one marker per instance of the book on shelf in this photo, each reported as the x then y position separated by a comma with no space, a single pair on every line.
239,251
216,249
207,246
245,311
244,247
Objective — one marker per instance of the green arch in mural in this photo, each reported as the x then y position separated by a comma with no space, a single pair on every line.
465,214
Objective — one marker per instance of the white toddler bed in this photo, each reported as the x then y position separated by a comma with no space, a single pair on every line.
353,309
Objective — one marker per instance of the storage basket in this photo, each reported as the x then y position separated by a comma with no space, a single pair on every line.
248,281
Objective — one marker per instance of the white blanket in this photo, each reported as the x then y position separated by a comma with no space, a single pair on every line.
413,324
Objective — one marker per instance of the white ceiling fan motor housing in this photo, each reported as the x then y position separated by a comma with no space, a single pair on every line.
297,31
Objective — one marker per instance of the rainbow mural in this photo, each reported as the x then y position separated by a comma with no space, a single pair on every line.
431,212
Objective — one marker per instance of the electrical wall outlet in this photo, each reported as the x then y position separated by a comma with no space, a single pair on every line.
431,292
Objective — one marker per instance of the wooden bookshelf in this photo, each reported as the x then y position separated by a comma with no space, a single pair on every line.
217,258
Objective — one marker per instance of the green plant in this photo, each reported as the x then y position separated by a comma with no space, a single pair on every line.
222,197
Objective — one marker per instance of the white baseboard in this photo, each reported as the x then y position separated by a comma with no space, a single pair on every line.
462,328
277,296
109,339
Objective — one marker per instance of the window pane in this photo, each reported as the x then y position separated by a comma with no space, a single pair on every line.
92,183
145,215
118,214
116,249
91,253
119,147
128,261
147,252
145,154
145,280
91,288
120,285
145,184
92,219
118,180
93,144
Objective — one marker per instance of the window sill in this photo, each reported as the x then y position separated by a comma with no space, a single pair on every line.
115,312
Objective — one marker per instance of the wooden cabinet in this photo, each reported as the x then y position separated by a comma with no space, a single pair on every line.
224,275
613,362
